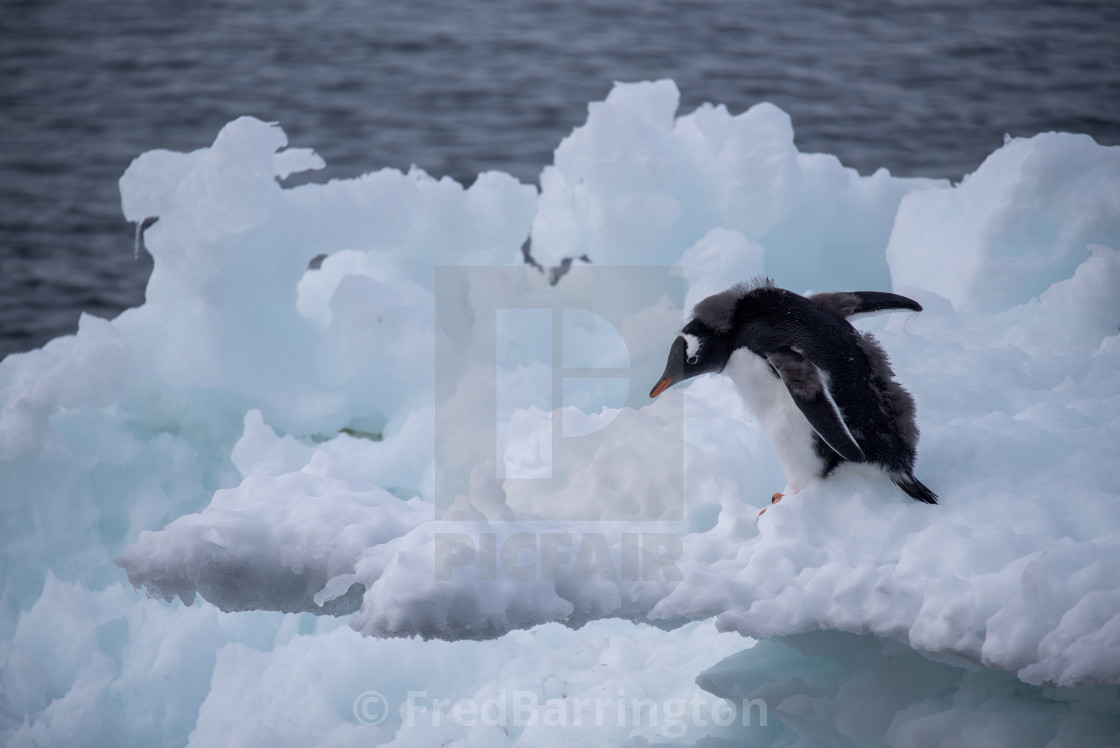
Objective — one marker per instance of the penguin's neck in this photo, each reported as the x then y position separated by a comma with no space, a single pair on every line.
789,431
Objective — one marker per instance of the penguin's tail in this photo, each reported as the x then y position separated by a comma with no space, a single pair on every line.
914,488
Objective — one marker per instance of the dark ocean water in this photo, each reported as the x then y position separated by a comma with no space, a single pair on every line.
921,88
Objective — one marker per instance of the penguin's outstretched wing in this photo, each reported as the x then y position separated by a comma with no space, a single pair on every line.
809,388
851,303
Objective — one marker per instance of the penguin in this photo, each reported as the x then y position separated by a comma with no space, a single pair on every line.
823,392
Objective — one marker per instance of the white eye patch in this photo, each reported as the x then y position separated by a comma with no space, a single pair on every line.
691,344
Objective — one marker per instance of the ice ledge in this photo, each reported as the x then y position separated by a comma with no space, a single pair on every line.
305,541
836,688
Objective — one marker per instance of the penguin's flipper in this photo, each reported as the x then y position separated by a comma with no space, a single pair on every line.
852,303
809,388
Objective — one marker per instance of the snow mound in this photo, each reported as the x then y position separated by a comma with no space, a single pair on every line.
1012,227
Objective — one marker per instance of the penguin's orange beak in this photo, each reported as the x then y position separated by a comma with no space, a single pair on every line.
663,385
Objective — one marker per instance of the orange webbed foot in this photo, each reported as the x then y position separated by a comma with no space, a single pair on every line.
773,500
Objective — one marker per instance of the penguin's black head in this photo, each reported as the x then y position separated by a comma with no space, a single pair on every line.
699,349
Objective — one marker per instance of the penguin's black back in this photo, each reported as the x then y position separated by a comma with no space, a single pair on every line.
878,411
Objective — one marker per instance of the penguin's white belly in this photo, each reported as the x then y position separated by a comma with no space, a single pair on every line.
789,431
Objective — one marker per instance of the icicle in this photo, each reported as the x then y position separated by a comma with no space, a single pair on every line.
136,246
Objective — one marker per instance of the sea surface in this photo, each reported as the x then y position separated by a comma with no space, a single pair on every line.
457,88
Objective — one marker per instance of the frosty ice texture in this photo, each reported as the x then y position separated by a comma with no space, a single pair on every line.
260,433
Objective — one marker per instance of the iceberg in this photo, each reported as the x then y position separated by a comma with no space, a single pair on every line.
414,493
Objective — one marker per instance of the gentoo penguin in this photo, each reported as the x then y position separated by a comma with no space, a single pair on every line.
823,391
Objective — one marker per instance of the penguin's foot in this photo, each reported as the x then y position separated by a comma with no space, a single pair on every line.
773,500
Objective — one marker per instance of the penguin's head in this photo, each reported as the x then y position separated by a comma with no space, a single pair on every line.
699,349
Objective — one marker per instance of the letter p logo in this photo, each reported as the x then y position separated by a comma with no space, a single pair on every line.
534,395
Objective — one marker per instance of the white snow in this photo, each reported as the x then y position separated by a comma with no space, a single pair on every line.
272,439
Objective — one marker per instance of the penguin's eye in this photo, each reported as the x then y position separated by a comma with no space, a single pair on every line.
693,359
